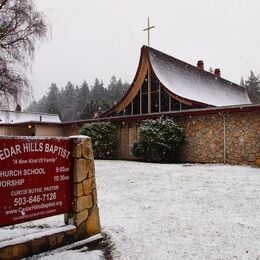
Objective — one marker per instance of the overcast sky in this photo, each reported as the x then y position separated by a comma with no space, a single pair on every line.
100,38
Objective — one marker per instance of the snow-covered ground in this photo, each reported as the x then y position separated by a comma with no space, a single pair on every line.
173,211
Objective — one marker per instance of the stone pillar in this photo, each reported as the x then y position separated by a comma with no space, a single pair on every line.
85,215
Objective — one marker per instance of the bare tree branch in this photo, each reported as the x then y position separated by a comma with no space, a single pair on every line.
2,3
21,26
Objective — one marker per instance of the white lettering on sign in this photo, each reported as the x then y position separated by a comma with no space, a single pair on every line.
31,147
24,172
49,160
35,178
51,188
26,200
11,173
11,183
10,151
18,192
34,171
50,148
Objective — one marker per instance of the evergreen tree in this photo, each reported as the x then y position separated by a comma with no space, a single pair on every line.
252,85
98,92
68,102
84,97
116,90
41,105
89,109
93,108
126,86
49,103
242,82
52,100
73,103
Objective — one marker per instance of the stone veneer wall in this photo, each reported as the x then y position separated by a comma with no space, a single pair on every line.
82,222
204,138
207,142
85,215
232,138
243,138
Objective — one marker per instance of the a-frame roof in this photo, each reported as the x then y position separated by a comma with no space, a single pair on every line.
192,83
185,81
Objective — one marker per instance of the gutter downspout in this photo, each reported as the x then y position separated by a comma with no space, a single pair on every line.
224,137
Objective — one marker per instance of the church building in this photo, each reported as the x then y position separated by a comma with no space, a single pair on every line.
220,123
163,83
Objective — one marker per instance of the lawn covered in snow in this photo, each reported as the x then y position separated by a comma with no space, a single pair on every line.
170,211
175,211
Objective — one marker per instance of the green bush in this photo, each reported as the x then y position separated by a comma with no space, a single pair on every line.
159,140
104,139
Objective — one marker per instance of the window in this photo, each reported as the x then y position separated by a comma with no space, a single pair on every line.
155,102
136,104
154,82
184,106
164,100
145,85
175,104
144,94
144,103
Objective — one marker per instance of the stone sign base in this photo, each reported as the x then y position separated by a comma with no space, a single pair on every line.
82,222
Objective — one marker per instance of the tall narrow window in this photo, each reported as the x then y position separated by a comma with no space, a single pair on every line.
144,103
164,100
155,102
154,93
136,104
144,97
145,85
154,82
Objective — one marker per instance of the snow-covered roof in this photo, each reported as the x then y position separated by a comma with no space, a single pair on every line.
195,84
7,117
184,82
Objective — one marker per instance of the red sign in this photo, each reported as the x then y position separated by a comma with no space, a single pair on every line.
35,178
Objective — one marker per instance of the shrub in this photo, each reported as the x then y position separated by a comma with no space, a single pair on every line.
159,140
104,139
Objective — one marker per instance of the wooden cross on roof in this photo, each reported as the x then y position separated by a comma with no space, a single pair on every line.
148,30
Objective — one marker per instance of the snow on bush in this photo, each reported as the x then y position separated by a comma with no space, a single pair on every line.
159,140
104,139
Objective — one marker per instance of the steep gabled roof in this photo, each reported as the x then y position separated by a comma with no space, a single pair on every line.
184,81
193,83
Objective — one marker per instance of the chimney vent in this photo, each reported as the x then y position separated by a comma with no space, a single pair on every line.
217,73
200,64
